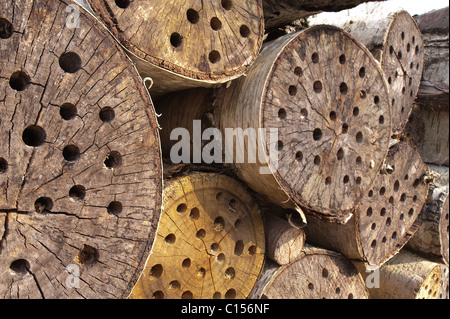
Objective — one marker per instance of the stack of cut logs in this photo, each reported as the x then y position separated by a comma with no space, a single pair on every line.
118,179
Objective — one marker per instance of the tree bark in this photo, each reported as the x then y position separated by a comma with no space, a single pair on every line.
183,44
318,274
80,162
396,42
386,218
210,241
432,237
278,12
329,117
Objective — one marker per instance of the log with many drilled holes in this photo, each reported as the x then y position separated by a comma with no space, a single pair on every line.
325,97
386,217
316,274
432,237
406,276
182,44
280,12
396,42
210,242
80,162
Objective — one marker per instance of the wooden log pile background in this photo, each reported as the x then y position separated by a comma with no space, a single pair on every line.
348,200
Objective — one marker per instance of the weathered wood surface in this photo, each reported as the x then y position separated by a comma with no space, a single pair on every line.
284,242
183,44
432,237
318,274
407,276
80,162
396,42
329,105
279,12
386,217
210,241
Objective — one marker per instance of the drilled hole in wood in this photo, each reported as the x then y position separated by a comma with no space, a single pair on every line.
182,208
239,248
399,55
214,247
230,294
376,99
3,165
68,111
43,205
363,94
233,205
342,59
282,114
388,221
356,111
123,4
304,113
370,193
20,266
416,183
230,273
403,197
174,284
299,156
70,62
390,80
113,160
6,29
317,134
396,186
220,258
382,191
176,39
317,160
373,226
362,72
333,116
71,153
107,114
324,273
201,272
391,200
383,212
219,196
391,50
340,154
216,24
328,181
411,212
359,160
373,244
195,214
77,193
214,56
170,239
227,4
217,295
158,295
156,271
34,136
237,223
343,88
187,295
200,234
244,31
114,208
88,255
358,181
408,47
298,71
311,286
186,263
317,86
394,235
251,250
359,137
292,90
417,50
19,81
346,179
219,224
193,16
381,120
315,57
344,128
415,198
369,212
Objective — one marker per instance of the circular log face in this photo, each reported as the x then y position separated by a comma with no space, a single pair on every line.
329,101
205,40
444,231
317,276
391,207
80,187
432,285
403,63
210,242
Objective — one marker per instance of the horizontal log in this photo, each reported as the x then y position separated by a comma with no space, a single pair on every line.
210,241
184,44
80,161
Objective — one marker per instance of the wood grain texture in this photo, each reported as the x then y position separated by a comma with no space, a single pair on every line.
210,242
197,43
387,216
81,179
318,274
